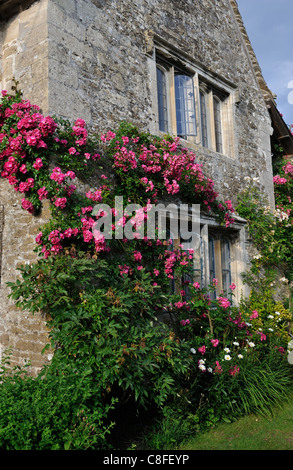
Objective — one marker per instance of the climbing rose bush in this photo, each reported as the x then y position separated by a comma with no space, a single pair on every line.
45,157
105,297
144,169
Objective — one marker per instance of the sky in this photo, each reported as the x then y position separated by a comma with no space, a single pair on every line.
269,24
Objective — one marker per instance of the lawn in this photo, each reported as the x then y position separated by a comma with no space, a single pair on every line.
249,433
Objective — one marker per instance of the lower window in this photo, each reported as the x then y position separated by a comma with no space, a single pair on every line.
220,262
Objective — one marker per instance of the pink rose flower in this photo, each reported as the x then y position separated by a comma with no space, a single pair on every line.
196,285
202,349
137,255
254,315
60,202
224,302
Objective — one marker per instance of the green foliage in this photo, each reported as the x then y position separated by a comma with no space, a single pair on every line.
273,318
271,230
104,303
111,330
260,387
54,411
271,235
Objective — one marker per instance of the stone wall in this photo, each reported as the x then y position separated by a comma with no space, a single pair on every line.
24,53
91,59
24,47
99,69
85,58
24,333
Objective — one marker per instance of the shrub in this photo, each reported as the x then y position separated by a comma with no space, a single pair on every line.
52,411
104,296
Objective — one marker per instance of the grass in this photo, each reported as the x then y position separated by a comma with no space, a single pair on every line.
249,433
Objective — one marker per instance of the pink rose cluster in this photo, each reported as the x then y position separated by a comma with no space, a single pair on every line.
238,321
279,180
171,165
32,134
173,258
55,239
79,131
26,136
224,302
28,128
288,168
125,159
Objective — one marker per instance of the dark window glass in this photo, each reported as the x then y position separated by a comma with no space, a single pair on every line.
162,100
218,127
203,116
196,271
225,261
185,106
212,261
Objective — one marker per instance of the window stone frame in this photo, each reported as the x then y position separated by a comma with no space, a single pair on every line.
170,58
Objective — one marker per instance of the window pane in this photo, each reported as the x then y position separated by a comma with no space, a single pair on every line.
169,237
198,264
218,127
162,100
225,261
185,106
212,266
203,117
196,270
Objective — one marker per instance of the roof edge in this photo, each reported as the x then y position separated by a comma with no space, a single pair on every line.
9,8
267,93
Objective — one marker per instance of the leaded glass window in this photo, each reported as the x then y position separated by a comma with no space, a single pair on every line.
212,262
162,100
203,116
185,106
218,126
225,262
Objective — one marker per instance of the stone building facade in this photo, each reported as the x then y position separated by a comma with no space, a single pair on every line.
113,60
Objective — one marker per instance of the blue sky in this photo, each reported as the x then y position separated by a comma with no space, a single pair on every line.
269,24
